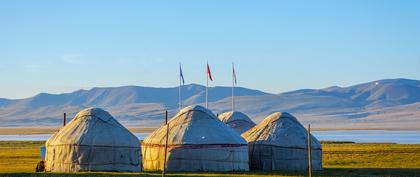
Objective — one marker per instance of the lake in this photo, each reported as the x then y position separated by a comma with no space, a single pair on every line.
369,136
44,137
377,136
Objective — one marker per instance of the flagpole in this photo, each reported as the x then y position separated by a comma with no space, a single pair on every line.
207,85
309,152
166,144
233,86
179,89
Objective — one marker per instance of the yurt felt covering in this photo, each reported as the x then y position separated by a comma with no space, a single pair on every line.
93,141
238,121
279,142
197,141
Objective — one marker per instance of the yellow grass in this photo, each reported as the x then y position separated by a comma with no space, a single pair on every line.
27,130
19,158
371,156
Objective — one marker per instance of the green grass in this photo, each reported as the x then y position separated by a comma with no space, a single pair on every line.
327,172
376,155
19,158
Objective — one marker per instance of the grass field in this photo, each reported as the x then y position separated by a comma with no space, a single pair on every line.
19,158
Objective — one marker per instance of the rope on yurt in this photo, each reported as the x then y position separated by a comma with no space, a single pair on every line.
91,147
253,144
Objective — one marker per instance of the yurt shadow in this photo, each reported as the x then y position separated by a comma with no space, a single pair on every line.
275,158
215,158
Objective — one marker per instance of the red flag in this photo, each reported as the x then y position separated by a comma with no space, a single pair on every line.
208,72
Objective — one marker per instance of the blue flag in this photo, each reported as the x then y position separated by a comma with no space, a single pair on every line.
181,75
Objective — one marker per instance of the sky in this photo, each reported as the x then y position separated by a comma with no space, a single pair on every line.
62,46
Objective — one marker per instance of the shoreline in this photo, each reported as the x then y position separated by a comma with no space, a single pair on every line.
50,130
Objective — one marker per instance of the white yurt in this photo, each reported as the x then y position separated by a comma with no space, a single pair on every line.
197,141
280,142
93,141
238,121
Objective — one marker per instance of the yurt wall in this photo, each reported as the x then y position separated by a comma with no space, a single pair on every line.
279,142
93,141
197,141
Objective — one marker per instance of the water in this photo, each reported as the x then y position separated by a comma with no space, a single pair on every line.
33,137
378,136
44,137
141,136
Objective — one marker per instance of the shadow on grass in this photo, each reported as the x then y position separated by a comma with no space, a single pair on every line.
326,172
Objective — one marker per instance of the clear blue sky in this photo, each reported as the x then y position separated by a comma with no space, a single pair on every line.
62,46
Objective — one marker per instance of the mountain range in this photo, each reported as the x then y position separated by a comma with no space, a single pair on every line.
382,104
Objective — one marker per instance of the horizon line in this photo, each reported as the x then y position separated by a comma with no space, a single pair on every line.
102,87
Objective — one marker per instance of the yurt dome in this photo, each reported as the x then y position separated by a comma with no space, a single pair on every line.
279,142
93,141
197,141
238,121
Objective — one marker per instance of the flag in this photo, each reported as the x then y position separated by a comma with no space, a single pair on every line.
233,74
181,75
208,72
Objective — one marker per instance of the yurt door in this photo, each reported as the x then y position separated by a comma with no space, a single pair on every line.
267,158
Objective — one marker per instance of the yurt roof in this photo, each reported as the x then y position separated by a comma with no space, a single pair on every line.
195,125
94,126
280,129
229,117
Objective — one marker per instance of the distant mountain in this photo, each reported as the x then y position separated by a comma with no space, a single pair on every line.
45,109
391,103
116,96
388,92
345,107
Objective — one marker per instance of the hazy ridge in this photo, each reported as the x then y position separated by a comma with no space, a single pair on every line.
390,104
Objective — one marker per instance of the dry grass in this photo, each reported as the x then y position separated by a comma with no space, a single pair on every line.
27,130
19,158
352,155
142,130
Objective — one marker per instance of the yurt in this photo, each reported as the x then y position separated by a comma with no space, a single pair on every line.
238,121
197,141
93,141
280,142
